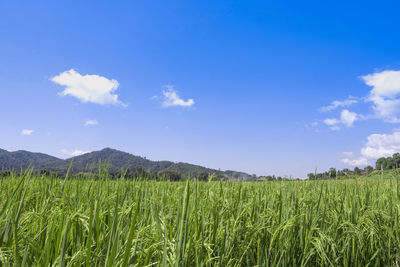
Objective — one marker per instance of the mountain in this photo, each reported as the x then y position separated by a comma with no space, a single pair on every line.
18,160
114,159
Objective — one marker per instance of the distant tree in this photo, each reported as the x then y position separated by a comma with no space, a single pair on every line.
341,173
396,160
346,171
380,163
170,175
135,172
311,176
332,173
390,164
203,176
357,170
269,178
368,169
217,177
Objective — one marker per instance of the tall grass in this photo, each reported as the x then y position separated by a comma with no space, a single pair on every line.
87,222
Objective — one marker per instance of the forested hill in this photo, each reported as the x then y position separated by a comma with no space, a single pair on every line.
18,160
115,160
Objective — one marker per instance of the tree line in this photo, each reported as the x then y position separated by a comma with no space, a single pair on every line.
381,164
388,163
139,172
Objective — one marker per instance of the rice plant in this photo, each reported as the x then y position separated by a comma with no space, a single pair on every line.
102,222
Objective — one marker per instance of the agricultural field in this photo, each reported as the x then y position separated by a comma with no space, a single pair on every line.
103,222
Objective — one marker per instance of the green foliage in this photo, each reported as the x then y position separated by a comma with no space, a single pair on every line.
389,162
396,159
116,162
332,173
203,176
368,169
18,160
381,164
168,175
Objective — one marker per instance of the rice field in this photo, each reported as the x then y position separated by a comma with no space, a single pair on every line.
88,222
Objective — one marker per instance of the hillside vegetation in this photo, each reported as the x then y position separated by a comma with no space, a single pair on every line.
116,162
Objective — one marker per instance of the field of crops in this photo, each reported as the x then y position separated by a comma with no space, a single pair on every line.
75,222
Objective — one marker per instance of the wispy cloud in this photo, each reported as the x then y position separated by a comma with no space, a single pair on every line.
27,132
331,121
74,153
356,162
91,122
347,118
78,152
307,125
88,88
347,154
337,104
172,99
351,160
384,98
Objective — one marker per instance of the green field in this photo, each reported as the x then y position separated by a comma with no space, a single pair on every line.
77,222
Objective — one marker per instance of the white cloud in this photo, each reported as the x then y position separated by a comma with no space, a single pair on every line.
348,154
26,132
377,145
78,153
88,88
351,160
355,162
346,117
91,122
74,153
336,104
331,121
384,97
385,94
171,98
381,145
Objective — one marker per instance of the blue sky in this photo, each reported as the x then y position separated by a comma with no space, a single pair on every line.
241,85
